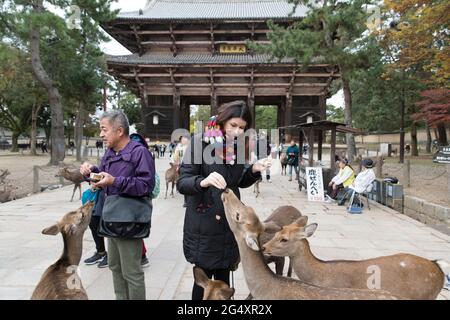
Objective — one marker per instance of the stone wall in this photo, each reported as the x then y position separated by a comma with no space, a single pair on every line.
426,212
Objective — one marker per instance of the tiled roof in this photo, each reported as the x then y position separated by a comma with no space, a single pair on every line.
194,59
213,10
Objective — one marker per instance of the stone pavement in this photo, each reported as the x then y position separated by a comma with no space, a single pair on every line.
25,253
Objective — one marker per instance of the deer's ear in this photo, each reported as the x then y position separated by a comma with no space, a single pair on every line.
271,227
226,293
307,231
252,242
200,277
302,221
51,231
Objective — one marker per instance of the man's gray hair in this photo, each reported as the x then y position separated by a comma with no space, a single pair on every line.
118,119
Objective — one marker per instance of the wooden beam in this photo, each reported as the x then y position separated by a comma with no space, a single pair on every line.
174,41
206,43
138,40
245,85
235,75
165,32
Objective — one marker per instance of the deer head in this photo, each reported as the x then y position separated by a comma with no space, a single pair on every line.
243,220
73,223
284,241
213,289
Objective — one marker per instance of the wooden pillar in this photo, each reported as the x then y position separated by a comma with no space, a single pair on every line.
176,109
323,107
300,142
251,106
214,105
288,115
333,150
319,143
311,147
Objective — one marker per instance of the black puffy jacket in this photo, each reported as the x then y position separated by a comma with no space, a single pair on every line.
208,241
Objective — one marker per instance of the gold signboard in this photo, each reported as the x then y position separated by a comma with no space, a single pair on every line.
232,48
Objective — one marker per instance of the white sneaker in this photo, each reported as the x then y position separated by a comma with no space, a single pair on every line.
447,282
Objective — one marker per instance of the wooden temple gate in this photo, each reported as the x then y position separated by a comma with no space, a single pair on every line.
195,53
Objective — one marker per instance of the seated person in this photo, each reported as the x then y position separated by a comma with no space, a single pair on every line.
343,179
362,182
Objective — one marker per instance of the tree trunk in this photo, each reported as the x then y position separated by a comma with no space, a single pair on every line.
14,146
351,147
57,120
33,135
414,149
442,135
78,134
428,146
402,129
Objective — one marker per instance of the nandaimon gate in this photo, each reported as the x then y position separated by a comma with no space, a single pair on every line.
195,52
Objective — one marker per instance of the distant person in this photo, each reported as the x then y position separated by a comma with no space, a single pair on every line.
163,150
292,159
343,179
363,180
44,147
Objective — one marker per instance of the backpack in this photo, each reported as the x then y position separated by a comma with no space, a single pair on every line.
155,192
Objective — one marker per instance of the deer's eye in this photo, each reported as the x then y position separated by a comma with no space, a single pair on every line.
283,240
237,216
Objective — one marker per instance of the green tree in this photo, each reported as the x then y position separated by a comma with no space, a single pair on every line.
266,117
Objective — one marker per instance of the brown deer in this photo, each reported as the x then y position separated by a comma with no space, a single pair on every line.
402,274
281,216
74,176
60,281
213,289
171,176
283,161
262,282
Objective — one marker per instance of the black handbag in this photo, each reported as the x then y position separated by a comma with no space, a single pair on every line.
126,217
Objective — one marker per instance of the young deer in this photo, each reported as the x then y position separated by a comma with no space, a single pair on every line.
281,216
60,281
171,176
74,176
213,289
261,281
402,274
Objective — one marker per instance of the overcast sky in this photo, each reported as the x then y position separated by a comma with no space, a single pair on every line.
115,48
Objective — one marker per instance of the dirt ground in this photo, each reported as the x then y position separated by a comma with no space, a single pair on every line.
428,180
21,169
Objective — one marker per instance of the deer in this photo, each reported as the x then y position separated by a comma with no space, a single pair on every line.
213,289
60,281
74,176
5,194
283,161
281,216
171,176
402,274
3,175
261,281
256,187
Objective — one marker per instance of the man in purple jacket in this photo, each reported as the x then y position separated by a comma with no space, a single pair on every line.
127,169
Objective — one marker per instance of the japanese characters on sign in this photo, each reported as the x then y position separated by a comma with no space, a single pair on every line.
314,183
232,48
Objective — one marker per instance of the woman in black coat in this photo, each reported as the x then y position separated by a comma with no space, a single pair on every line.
208,241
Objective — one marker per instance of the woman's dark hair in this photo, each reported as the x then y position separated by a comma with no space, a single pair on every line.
235,109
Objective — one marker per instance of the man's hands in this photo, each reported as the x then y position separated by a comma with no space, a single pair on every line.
107,180
215,180
86,168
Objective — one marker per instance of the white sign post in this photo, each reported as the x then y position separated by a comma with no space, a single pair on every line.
314,183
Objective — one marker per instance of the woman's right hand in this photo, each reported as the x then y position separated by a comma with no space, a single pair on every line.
214,179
